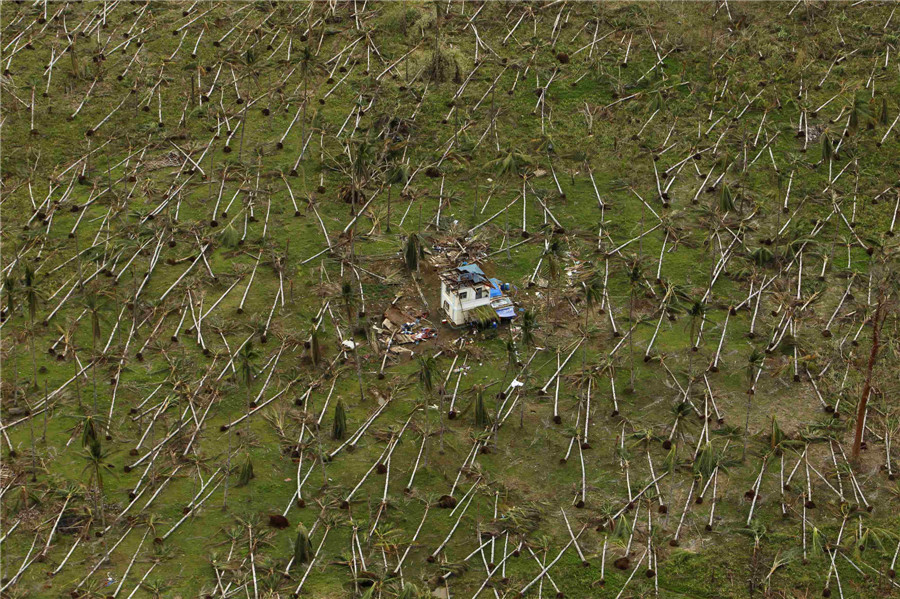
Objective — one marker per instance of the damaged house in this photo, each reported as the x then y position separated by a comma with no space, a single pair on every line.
468,295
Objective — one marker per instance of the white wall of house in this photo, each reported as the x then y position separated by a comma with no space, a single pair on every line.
457,303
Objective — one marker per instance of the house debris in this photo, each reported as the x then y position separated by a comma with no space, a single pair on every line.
468,295
402,327
449,251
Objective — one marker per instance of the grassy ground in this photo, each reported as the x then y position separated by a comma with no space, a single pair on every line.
733,85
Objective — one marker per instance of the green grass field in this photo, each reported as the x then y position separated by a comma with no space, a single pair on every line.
694,204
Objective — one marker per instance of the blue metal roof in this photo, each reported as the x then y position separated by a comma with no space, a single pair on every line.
471,272
472,268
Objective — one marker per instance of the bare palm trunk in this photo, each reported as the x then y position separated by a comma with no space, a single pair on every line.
94,369
691,352
355,327
522,398
33,452
15,359
747,419
227,474
388,228
249,404
441,430
877,323
33,356
631,338
426,431
362,395
99,491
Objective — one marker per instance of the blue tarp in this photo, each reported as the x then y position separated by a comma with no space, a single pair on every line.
508,312
495,288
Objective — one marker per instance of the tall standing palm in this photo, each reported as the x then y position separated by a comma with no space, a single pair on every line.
553,256
339,426
11,289
96,468
315,346
426,375
9,285
528,327
696,316
635,282
482,418
860,114
307,59
31,300
93,303
411,253
511,351
510,165
360,167
827,151
348,297
398,174
754,363
593,291
246,370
